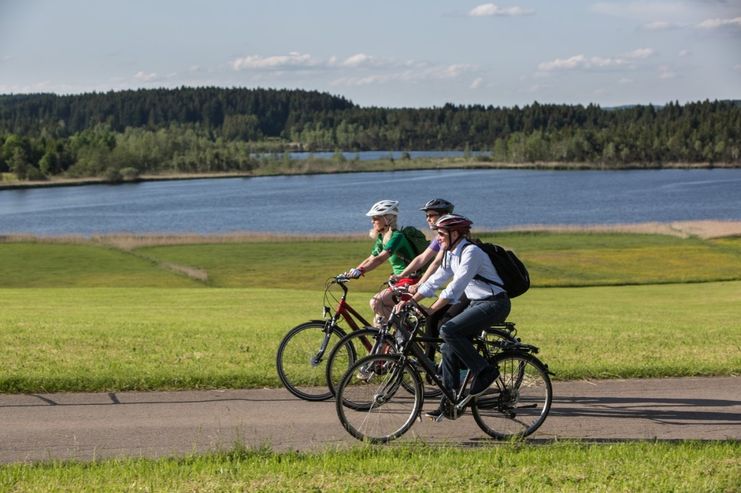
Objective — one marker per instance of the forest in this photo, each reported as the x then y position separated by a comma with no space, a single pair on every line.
123,134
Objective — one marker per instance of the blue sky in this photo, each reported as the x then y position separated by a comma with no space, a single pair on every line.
402,53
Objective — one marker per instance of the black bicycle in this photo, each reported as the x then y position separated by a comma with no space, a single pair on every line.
386,339
387,400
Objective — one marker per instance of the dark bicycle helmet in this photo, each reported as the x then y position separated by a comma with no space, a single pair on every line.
440,205
454,222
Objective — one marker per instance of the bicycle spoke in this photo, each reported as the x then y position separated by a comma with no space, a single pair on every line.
379,406
522,400
301,360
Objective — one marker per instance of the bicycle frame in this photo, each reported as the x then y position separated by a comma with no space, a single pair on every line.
343,311
412,347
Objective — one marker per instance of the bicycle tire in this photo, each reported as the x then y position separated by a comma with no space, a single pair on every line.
519,400
375,409
300,367
347,351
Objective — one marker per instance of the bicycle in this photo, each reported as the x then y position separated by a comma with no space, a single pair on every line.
301,354
345,352
385,405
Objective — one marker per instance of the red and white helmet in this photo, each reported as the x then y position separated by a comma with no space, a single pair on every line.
384,208
454,222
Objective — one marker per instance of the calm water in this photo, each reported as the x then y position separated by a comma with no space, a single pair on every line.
337,203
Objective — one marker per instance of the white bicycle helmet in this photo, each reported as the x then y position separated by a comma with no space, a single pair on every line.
383,208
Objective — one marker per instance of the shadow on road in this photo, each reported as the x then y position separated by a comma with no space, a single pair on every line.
665,410
114,400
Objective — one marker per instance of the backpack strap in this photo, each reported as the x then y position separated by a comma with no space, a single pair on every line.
479,277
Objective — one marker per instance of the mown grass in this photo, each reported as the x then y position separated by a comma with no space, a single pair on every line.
554,259
636,466
42,264
94,339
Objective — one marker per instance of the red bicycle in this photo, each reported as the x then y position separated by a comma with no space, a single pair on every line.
302,354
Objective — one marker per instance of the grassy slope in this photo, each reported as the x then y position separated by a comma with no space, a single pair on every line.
553,260
32,265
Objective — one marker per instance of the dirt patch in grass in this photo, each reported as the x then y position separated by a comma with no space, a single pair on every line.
702,229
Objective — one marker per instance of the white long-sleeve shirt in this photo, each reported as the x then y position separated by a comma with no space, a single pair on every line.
462,265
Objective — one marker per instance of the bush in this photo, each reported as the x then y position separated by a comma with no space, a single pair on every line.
112,175
129,174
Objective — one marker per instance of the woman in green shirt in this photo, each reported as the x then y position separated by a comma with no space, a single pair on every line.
392,246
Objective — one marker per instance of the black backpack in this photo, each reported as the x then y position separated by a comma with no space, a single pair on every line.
510,268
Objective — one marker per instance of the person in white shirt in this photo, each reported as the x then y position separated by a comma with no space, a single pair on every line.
470,272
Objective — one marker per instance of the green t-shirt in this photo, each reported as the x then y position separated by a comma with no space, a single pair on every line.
398,246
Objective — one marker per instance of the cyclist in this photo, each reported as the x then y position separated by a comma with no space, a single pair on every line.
433,210
391,245
471,272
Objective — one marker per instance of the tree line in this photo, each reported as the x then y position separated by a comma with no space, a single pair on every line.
125,133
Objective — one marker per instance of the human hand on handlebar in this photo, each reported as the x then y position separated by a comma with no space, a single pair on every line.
353,273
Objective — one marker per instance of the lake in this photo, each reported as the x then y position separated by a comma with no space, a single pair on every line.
493,199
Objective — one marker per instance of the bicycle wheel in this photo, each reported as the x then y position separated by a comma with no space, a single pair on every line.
518,401
374,408
353,346
302,357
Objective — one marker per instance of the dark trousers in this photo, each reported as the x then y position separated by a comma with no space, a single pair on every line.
437,319
458,349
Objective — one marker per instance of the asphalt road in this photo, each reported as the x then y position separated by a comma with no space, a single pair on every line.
154,424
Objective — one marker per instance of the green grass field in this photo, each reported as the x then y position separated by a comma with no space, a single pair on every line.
637,466
84,316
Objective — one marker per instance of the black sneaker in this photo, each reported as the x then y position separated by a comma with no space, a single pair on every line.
438,413
445,410
483,380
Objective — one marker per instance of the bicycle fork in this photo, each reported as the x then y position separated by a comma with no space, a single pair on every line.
316,360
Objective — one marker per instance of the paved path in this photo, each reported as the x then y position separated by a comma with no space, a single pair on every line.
152,424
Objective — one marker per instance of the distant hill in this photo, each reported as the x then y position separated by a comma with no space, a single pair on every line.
156,108
212,129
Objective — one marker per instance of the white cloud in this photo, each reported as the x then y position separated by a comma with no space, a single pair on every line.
145,77
581,62
490,9
563,64
357,60
421,72
257,62
640,53
477,83
719,23
684,53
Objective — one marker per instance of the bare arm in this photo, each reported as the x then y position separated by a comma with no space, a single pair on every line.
374,261
430,270
418,262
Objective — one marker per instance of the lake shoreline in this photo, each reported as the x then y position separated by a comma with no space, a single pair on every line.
304,169
703,229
